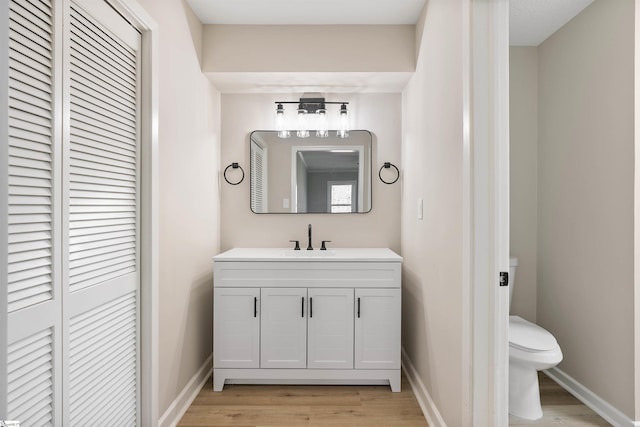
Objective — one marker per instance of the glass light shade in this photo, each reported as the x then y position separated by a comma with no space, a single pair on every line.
343,123
302,132
280,123
322,128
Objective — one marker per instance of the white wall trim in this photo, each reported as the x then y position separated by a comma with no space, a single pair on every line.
185,398
428,406
591,400
486,208
636,211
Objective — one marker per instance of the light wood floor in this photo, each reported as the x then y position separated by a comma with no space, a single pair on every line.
297,405
350,406
560,409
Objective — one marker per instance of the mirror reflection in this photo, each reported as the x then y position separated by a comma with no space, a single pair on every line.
310,175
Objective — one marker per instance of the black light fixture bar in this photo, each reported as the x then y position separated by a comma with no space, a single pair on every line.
311,105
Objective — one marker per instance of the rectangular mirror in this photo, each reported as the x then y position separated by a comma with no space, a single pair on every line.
310,175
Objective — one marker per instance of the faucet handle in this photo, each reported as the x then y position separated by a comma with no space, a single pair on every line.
297,242
323,247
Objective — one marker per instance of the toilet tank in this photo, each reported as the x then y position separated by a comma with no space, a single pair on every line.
513,263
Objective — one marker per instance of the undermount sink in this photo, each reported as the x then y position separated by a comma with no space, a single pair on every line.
309,254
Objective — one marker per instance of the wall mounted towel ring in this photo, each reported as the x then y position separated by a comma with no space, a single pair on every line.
388,165
233,165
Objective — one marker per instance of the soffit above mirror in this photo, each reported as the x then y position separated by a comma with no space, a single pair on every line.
281,58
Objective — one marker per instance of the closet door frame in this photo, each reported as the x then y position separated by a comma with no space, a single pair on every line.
149,231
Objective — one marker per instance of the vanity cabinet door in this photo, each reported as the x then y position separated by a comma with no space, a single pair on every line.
330,328
283,328
377,328
236,328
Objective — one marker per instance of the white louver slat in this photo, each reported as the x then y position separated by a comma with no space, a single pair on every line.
102,156
30,153
30,380
102,354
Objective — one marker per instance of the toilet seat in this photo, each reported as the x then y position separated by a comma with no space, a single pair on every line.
527,336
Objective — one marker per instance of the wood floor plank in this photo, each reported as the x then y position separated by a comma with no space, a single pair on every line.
304,405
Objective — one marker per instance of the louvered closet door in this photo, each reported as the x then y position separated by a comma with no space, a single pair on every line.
33,285
101,251
258,178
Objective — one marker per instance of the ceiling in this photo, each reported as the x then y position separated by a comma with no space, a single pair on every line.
307,12
531,21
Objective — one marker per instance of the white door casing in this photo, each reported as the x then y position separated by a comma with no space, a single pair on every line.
485,211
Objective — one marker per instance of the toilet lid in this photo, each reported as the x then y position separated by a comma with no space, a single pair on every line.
529,336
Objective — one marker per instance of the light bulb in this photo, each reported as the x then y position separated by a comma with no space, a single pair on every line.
322,131
302,123
280,123
343,124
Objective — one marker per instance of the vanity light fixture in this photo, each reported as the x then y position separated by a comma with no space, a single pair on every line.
312,111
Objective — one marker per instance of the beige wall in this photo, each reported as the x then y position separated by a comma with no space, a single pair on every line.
432,157
523,150
188,151
243,113
308,48
585,190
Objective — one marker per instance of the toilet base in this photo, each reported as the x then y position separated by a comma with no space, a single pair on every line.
524,392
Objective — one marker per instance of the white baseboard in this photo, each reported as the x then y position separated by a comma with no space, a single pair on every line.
429,409
179,406
590,399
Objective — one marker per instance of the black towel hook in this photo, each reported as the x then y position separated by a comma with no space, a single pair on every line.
233,165
388,165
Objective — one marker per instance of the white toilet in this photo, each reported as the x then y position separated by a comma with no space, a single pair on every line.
531,349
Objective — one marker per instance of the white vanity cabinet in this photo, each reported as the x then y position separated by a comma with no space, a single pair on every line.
282,317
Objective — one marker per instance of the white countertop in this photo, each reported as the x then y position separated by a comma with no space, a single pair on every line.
330,255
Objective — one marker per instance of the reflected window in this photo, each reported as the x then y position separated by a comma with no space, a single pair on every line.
341,197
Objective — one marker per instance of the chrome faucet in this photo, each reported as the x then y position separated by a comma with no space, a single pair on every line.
309,247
